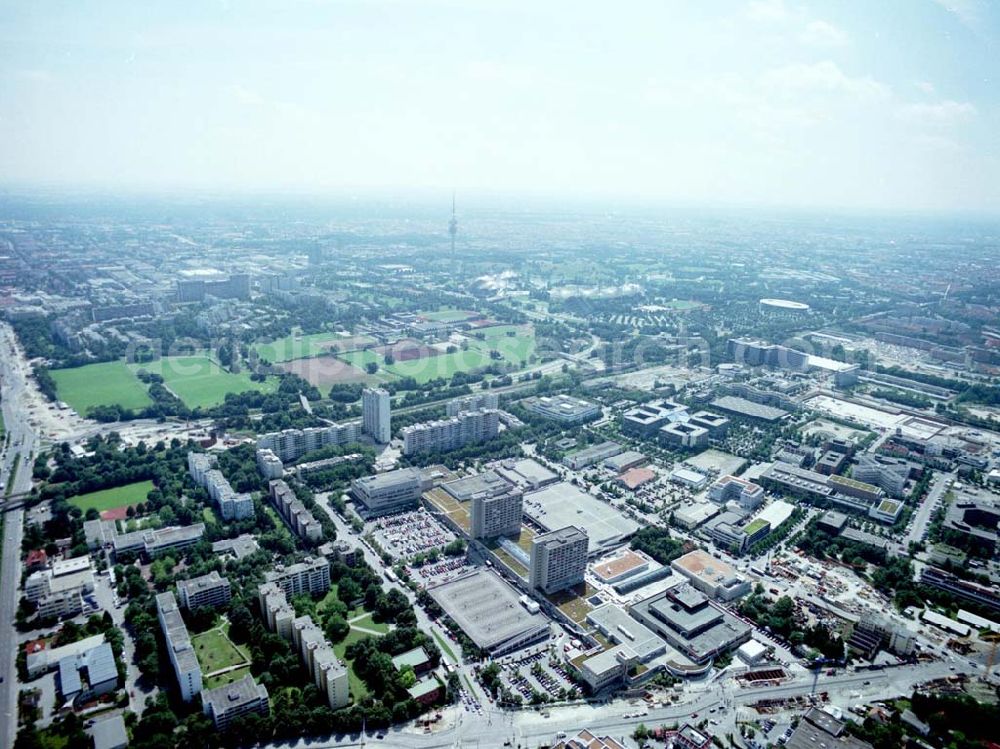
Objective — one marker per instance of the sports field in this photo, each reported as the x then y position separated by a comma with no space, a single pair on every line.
449,315
297,346
105,384
200,382
109,499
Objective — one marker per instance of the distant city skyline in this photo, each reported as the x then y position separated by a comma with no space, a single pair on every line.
854,105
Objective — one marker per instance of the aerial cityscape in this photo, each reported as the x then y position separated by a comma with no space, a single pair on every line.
288,462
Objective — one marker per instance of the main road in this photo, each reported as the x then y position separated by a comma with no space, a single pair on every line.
20,444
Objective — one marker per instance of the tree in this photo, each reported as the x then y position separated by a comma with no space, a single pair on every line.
371,367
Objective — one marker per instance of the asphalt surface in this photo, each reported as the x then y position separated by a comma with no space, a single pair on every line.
21,446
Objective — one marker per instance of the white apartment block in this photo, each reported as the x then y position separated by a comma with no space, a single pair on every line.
211,590
292,444
179,648
497,512
312,575
476,402
558,559
467,428
376,414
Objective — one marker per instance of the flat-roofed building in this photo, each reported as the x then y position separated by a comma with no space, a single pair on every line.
562,408
376,411
174,538
292,444
558,559
646,419
625,460
687,620
311,575
563,504
187,671
795,481
889,474
526,473
621,565
387,493
747,495
487,609
591,454
734,404
269,464
301,520
467,428
210,590
278,614
475,402
830,463
615,624
230,701
716,424
608,668
985,595
711,576
854,488
496,511
61,605
232,505
684,435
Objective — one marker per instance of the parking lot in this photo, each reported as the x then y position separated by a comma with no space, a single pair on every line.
407,534
540,673
439,572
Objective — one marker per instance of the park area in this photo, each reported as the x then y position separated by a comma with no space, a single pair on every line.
200,382
119,498
300,346
216,652
104,384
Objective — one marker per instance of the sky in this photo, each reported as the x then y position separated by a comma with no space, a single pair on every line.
887,105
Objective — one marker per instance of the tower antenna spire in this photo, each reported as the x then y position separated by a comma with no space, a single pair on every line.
453,224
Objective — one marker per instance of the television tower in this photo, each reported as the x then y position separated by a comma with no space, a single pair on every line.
453,224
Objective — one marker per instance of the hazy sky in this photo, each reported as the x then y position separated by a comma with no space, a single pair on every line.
873,104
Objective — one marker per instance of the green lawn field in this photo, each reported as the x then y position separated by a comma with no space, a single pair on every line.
215,651
358,689
109,499
199,381
298,346
211,682
104,384
448,315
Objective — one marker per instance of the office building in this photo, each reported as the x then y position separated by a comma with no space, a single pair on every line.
478,402
60,605
716,424
467,428
376,414
496,511
311,575
687,620
683,435
211,590
302,522
109,733
387,493
175,538
889,474
747,495
244,697
645,420
291,444
558,559
179,648
562,408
